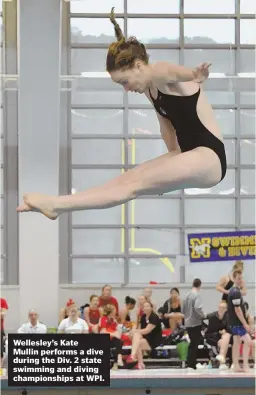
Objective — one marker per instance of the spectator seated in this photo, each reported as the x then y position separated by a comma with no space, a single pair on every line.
217,334
33,325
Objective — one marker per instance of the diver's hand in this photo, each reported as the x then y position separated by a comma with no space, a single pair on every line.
201,72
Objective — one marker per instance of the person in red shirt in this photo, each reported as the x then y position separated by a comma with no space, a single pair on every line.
108,324
107,298
93,313
3,308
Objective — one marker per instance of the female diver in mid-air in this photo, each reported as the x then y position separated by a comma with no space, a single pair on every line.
196,154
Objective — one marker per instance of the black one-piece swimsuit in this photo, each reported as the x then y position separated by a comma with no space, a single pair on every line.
191,133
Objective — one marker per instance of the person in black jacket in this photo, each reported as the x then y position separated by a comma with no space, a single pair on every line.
147,338
217,333
172,316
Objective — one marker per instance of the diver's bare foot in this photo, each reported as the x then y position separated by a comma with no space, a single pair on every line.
38,202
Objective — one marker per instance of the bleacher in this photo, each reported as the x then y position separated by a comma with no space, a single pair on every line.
167,355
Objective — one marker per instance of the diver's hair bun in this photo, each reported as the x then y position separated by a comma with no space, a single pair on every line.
123,52
238,265
118,31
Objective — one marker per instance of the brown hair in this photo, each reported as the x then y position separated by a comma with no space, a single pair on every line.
105,286
143,296
238,265
108,308
237,273
123,53
151,304
93,296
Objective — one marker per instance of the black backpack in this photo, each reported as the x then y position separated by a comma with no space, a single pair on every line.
81,308
176,336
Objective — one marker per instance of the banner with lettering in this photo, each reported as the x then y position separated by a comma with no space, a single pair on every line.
222,246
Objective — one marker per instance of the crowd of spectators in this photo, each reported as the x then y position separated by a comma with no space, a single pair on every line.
144,326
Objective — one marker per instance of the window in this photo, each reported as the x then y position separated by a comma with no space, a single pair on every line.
97,121
98,152
153,7
247,7
247,98
210,211
203,31
226,121
247,31
101,107
143,150
168,55
247,182
96,241
95,91
247,122
157,31
100,270
230,146
143,122
93,30
112,216
99,6
136,99
83,179
154,212
155,241
248,212
206,7
144,270
221,98
88,60
247,151
223,60
247,60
